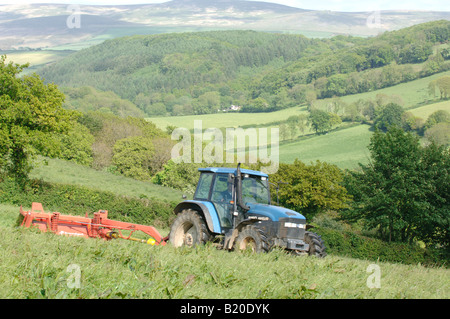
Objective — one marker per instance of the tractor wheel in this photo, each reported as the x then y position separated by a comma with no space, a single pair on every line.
253,239
189,229
316,244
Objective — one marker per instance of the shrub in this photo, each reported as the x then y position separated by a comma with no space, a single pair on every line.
350,244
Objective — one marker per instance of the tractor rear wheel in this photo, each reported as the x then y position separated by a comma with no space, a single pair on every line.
253,239
189,229
316,244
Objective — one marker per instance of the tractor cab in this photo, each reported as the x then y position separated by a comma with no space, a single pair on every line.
218,186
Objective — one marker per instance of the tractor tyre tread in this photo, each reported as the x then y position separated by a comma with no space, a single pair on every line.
197,221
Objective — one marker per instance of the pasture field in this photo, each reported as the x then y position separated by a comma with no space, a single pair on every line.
344,148
41,265
413,93
36,59
426,110
227,119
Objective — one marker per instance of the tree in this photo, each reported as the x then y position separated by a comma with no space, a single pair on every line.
390,115
76,145
443,84
132,157
403,192
320,121
310,189
439,134
31,116
439,116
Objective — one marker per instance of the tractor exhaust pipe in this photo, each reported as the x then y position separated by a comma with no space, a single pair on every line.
239,200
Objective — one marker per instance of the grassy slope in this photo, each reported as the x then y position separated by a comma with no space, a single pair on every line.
426,110
345,148
59,171
35,265
414,93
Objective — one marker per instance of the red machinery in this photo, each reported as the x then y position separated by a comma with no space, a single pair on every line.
99,226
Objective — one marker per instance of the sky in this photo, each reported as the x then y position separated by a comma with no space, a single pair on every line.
333,5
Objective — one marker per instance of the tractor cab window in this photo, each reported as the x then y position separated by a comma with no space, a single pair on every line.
255,189
221,197
203,187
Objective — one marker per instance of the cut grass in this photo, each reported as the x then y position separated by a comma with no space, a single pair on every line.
36,265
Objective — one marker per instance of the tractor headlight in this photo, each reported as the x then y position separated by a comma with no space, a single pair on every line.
294,225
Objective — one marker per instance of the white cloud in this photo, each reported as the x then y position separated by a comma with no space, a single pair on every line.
333,5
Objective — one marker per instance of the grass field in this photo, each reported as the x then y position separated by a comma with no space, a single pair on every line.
64,172
344,148
36,59
36,265
231,119
426,110
413,94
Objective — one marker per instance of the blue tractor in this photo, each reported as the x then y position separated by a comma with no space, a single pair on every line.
232,207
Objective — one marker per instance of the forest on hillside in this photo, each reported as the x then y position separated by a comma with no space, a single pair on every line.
206,72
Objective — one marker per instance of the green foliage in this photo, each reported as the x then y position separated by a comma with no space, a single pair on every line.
30,113
322,121
403,193
76,145
442,84
351,244
439,134
86,99
132,157
389,115
181,176
109,130
440,116
310,189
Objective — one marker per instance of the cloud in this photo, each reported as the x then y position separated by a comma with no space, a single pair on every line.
333,5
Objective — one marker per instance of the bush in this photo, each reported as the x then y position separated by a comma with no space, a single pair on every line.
350,244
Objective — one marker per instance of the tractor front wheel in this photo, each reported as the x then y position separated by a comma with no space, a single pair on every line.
189,229
316,244
253,239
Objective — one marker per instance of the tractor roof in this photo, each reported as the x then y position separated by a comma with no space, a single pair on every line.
227,170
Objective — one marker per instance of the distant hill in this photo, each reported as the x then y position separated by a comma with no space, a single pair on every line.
45,25
203,72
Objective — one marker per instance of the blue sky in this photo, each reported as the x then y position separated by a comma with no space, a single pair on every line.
334,5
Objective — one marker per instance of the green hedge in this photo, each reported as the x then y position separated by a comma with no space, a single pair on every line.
77,200
346,243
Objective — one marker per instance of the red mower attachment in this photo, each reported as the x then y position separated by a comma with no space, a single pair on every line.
97,227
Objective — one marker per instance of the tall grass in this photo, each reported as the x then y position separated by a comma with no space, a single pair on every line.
41,265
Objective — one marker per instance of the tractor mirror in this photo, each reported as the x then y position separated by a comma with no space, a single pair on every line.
230,178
